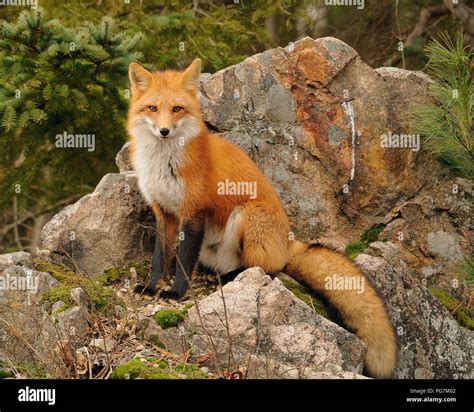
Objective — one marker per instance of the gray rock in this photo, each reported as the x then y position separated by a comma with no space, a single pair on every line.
72,321
58,306
171,339
147,353
119,312
267,324
111,227
15,259
103,344
283,107
445,245
434,228
21,312
122,160
80,298
23,285
431,343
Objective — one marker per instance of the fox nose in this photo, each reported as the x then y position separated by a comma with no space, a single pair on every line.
164,131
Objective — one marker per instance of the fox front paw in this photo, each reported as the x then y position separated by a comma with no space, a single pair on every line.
146,289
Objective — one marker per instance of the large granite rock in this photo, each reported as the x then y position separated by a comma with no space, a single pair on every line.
256,324
431,343
312,116
21,317
111,227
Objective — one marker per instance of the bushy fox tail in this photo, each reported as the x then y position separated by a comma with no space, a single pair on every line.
361,309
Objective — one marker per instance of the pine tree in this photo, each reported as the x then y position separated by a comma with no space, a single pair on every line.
57,80
447,124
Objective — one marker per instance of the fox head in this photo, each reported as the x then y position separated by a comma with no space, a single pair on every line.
165,104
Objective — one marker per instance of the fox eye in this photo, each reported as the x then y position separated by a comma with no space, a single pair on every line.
177,109
152,108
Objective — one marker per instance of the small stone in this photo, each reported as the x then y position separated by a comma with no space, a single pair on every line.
122,160
205,369
147,352
140,347
15,259
46,307
80,297
73,321
118,311
157,308
57,306
106,344
445,245
428,271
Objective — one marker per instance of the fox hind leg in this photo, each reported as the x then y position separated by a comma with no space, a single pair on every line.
264,237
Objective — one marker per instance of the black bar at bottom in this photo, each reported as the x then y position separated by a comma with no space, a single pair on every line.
447,395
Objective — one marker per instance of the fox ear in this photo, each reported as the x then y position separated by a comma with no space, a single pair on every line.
190,77
140,78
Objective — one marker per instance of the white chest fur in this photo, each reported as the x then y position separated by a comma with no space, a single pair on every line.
156,162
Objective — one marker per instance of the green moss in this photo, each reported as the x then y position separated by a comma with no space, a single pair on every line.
461,313
168,318
110,276
307,296
161,363
355,248
467,272
143,269
59,272
114,275
371,234
62,308
100,296
156,369
136,368
188,306
32,370
60,293
6,374
191,371
12,249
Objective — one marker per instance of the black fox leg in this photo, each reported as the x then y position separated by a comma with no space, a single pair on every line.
187,258
167,227
157,266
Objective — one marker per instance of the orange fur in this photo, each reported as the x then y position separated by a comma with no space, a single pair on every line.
364,312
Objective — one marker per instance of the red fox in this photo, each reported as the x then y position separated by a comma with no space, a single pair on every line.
227,212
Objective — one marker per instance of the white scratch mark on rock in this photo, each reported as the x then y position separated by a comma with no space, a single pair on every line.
347,106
